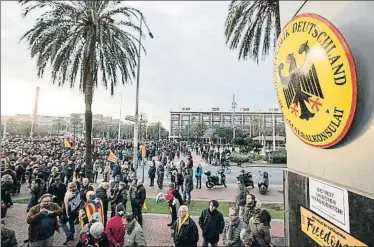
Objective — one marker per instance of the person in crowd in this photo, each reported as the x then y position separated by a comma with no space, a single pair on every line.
233,226
6,190
102,194
260,228
115,229
96,170
95,236
93,205
169,201
175,205
42,220
8,236
106,172
114,185
240,198
180,181
188,187
160,176
246,237
36,193
198,174
211,222
185,232
152,173
85,187
134,234
119,198
71,207
252,208
140,196
57,190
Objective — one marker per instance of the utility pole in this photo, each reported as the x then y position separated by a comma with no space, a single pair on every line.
233,120
33,123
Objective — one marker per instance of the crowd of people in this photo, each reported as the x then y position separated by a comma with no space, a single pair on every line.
61,197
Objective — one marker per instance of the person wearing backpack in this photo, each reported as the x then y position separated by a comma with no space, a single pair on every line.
211,222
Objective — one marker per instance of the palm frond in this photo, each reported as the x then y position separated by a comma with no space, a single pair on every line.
84,41
252,26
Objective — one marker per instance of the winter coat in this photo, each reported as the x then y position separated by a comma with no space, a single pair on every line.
140,195
152,172
236,227
199,172
240,196
260,232
8,237
211,224
58,191
188,183
251,210
34,218
188,234
102,194
135,237
35,196
115,231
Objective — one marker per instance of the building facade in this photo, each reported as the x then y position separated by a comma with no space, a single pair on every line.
215,117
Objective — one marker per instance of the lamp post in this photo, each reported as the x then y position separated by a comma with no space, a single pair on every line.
233,120
135,151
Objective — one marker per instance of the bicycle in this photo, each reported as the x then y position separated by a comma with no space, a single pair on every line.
226,169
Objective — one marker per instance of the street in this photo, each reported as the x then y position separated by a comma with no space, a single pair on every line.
276,173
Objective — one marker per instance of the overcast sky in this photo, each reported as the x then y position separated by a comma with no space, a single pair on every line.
187,65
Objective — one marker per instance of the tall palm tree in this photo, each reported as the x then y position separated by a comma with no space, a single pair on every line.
253,27
82,40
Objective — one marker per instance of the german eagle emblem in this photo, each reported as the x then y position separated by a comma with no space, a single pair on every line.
302,85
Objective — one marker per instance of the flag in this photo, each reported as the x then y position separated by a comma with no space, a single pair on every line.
112,157
67,144
144,206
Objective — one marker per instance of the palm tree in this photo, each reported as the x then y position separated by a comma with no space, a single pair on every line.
82,40
253,27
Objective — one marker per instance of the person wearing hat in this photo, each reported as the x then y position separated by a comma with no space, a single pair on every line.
114,228
42,220
134,234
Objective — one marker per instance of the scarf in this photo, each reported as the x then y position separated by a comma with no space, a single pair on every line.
181,221
130,226
229,229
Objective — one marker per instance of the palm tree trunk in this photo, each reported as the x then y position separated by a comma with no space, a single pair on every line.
88,95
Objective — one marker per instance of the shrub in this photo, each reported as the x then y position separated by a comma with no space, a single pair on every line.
278,157
240,158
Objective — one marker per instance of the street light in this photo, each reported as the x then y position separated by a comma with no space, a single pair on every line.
135,151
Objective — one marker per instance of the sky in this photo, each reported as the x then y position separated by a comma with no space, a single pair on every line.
187,65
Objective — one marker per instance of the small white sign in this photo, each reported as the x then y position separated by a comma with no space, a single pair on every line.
331,202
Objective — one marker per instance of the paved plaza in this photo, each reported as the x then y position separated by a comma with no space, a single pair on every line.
157,232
